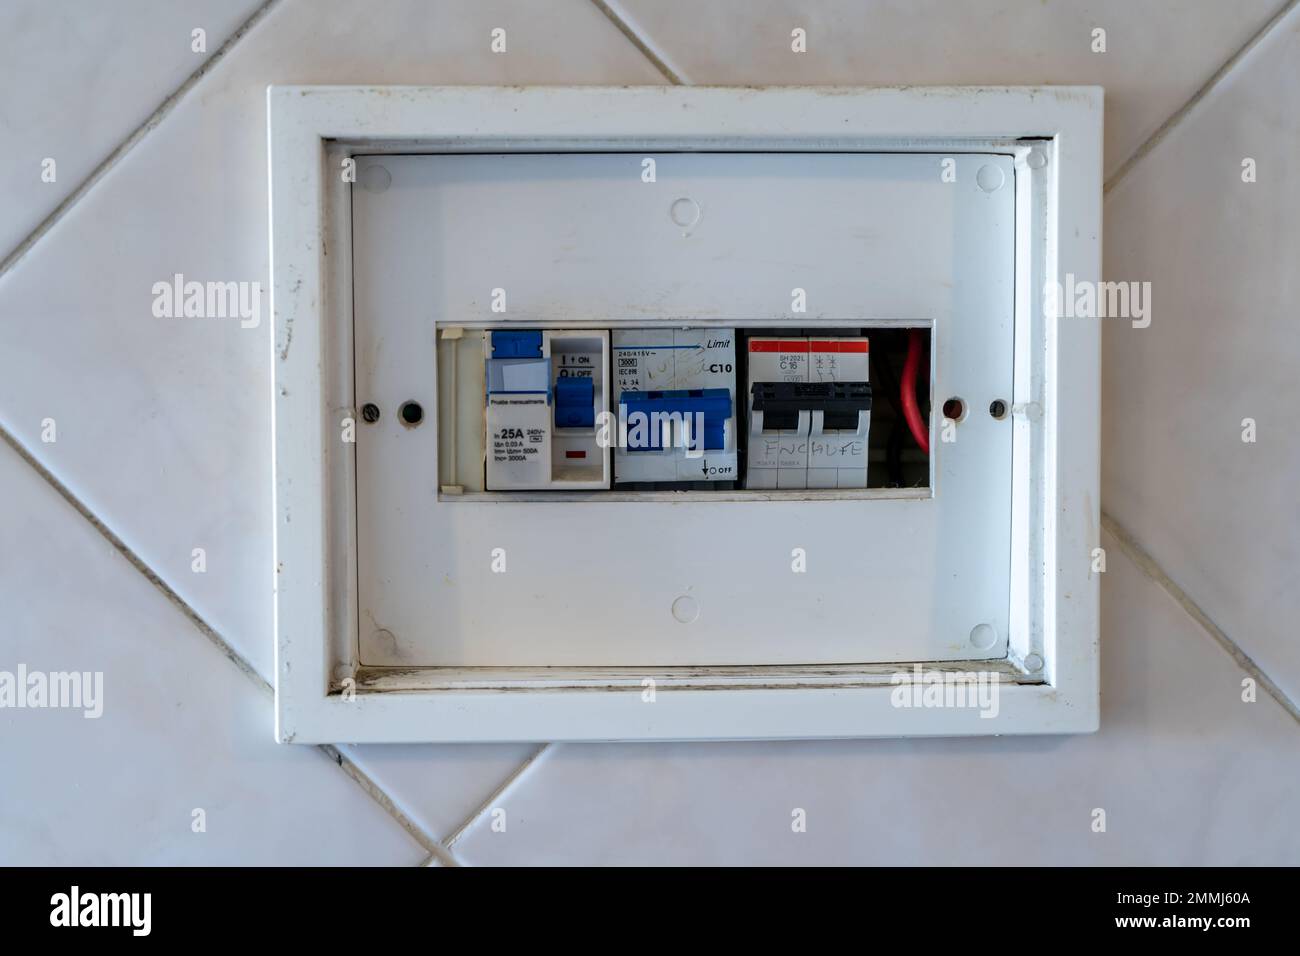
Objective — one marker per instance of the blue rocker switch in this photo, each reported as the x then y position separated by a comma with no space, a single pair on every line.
712,406
575,402
516,345
512,345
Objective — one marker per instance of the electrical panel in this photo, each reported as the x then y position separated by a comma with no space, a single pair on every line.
747,395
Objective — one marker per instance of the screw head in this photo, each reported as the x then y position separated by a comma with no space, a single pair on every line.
990,178
686,609
370,412
983,636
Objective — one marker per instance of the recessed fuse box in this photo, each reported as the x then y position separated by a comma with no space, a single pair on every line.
546,391
426,423
809,412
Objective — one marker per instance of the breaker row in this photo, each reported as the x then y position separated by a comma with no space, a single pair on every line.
665,402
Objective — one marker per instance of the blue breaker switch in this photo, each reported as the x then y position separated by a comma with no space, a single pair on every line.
516,345
517,365
575,402
648,412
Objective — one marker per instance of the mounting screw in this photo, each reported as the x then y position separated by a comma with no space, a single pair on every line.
983,636
370,412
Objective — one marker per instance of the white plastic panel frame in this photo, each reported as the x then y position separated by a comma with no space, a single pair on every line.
1052,136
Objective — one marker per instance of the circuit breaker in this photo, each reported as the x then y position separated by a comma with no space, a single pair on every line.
680,386
809,412
545,393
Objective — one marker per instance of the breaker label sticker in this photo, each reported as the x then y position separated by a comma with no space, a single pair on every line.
645,369
517,444
715,470
574,364
516,441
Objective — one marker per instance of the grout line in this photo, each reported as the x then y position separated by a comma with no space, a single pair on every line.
1168,125
641,44
375,792
137,562
1143,559
493,797
139,133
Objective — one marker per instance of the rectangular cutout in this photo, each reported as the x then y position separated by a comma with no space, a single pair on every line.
685,364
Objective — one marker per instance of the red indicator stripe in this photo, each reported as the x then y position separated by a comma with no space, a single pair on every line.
859,345
771,345
575,454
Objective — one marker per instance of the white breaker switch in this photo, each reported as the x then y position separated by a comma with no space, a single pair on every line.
809,412
546,391
687,373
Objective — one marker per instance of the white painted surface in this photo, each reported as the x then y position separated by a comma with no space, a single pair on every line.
1186,777
181,738
80,76
1221,515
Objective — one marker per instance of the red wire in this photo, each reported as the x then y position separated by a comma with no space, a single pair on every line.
920,430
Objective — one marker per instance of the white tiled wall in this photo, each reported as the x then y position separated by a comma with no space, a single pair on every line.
163,439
